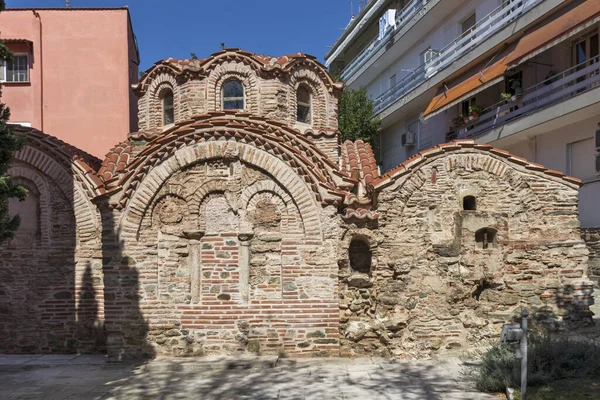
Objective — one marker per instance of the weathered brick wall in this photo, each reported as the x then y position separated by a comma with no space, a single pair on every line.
591,236
51,279
435,285
268,92
228,259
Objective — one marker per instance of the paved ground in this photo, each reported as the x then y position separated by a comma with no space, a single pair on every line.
91,377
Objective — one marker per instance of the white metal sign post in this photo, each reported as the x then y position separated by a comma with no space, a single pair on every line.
517,334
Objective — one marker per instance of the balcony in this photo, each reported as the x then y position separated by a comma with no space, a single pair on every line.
564,86
373,47
486,27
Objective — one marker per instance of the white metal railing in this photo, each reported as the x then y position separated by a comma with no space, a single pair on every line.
563,86
507,12
405,15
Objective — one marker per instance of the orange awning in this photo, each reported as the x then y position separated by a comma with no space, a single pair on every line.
552,32
467,87
527,47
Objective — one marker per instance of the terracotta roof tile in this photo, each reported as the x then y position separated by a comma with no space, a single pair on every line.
115,161
358,161
278,139
69,156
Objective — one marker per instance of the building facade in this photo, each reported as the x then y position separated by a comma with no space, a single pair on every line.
517,74
236,221
72,73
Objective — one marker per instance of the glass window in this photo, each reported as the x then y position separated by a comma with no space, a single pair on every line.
468,23
233,95
167,107
16,70
303,100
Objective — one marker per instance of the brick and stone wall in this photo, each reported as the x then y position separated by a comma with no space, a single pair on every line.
51,278
229,258
591,236
446,278
243,231
269,91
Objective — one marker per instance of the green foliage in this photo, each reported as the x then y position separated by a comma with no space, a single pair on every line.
474,108
9,143
356,118
549,359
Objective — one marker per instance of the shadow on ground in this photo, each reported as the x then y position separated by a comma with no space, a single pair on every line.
227,378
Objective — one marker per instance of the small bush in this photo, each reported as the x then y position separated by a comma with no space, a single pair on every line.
549,359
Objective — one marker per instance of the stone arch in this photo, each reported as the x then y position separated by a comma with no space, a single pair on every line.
470,161
197,201
69,182
233,70
170,213
251,194
162,82
201,152
44,198
363,234
276,201
319,93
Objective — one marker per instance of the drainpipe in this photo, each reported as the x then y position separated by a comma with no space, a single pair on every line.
37,15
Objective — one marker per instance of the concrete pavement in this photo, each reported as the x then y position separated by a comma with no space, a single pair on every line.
92,377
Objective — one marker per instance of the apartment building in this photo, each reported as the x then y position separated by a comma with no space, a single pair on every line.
522,75
72,73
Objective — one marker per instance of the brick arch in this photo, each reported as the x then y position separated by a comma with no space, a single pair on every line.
41,185
159,199
469,160
256,192
319,93
364,234
205,151
69,182
161,82
197,201
233,70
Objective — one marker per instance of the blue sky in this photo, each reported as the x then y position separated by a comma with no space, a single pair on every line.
175,28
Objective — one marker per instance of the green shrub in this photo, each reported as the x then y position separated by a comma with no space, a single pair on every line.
549,359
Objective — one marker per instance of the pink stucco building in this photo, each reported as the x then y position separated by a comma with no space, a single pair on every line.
72,73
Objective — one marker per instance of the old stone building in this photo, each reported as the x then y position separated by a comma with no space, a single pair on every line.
235,220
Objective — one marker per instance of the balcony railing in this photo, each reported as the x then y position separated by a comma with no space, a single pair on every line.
507,12
405,15
566,85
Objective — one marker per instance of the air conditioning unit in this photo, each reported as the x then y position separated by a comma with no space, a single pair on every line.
408,139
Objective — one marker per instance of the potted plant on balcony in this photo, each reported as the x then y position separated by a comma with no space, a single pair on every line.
506,97
474,110
458,121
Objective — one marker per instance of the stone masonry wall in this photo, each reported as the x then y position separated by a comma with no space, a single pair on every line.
591,236
446,278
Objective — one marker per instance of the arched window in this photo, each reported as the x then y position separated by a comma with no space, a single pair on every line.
233,95
469,203
304,107
359,255
168,114
485,238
